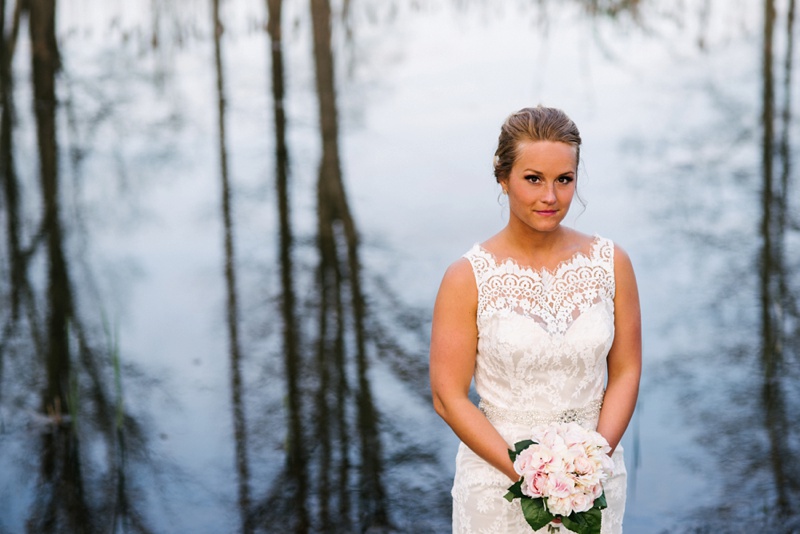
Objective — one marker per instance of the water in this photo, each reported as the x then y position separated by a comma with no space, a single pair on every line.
221,250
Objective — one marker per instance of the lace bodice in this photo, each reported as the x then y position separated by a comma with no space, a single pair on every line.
544,336
543,339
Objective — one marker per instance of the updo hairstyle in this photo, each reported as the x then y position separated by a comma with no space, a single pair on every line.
533,124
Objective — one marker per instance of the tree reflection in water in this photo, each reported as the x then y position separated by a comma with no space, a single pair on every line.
745,392
85,438
287,500
331,409
232,301
780,356
341,324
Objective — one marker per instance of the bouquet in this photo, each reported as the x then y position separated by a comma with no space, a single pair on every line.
562,472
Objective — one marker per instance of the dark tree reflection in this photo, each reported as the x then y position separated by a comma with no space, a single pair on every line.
348,493
292,509
64,505
235,357
339,278
745,392
342,451
779,354
84,440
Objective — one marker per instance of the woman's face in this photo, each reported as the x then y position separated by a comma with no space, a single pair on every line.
541,184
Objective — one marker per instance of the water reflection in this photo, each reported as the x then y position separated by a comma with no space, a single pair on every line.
356,450
779,352
17,279
83,436
292,483
750,403
335,402
232,316
339,277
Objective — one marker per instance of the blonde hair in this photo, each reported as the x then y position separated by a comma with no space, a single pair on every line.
533,124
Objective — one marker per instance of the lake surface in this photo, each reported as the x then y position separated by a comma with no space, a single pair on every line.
225,225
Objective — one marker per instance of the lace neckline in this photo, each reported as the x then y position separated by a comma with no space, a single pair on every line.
579,257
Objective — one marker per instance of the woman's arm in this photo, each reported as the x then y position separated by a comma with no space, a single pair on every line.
454,340
625,357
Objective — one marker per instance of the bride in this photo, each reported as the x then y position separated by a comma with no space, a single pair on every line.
545,319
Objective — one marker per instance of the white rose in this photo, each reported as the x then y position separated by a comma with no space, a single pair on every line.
590,479
559,506
583,465
574,433
581,502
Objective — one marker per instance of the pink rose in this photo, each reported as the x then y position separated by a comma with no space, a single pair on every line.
522,464
560,485
535,486
532,460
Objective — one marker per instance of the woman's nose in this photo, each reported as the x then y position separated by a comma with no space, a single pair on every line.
549,194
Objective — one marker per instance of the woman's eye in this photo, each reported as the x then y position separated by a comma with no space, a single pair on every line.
532,178
565,179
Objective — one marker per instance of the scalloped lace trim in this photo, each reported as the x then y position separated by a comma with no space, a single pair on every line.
554,299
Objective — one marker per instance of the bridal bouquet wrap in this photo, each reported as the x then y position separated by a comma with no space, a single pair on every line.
562,470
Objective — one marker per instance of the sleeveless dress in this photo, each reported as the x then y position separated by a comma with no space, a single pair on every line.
543,338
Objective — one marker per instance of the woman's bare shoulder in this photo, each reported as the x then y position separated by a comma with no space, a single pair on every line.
459,276
621,258
623,271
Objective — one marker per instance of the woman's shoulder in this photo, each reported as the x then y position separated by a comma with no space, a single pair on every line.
460,270
458,283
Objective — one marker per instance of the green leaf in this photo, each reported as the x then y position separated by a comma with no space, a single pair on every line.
519,447
515,491
584,522
600,502
522,445
536,513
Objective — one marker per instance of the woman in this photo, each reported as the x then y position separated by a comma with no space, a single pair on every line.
545,318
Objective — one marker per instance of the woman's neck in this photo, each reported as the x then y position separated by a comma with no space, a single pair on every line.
525,239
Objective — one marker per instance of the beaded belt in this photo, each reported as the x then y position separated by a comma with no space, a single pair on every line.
587,413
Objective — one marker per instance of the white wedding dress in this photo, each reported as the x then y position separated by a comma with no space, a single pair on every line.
543,338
